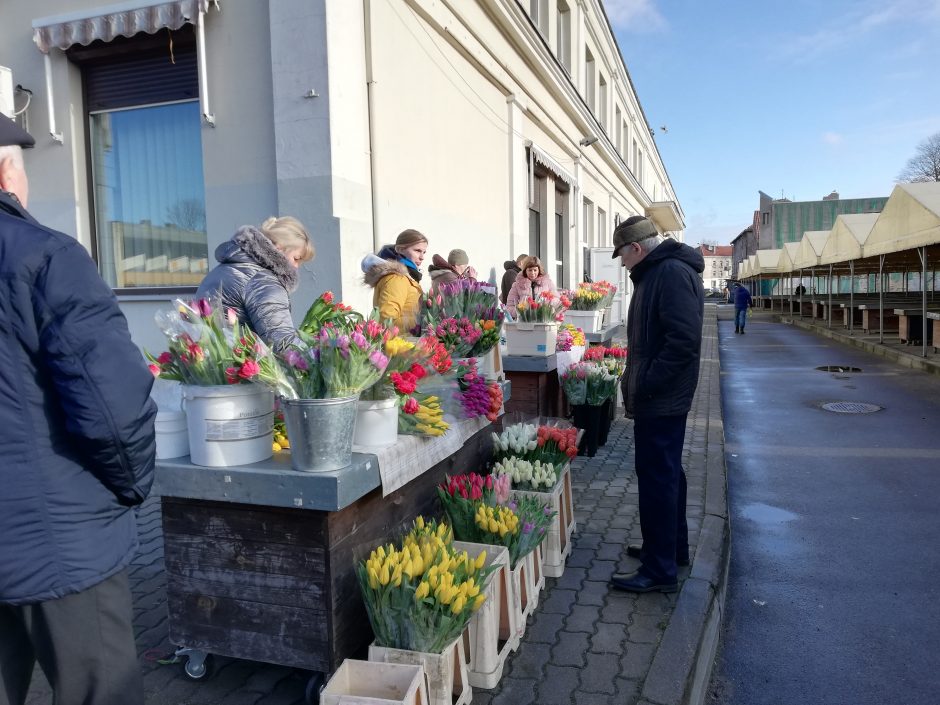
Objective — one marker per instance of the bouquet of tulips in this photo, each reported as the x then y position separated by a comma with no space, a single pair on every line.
517,440
208,346
477,397
520,525
592,296
615,360
588,383
326,311
421,594
547,308
338,361
459,493
527,475
555,445
470,300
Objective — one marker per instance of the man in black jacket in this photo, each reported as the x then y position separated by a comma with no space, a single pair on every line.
664,335
77,448
512,267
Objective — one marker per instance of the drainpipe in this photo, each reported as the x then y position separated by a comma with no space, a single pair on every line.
370,98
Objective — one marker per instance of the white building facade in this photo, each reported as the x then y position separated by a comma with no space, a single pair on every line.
717,266
496,126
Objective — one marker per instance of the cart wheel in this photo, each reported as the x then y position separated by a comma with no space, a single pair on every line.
314,686
198,667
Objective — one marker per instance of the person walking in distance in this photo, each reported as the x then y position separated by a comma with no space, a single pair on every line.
77,441
742,302
664,336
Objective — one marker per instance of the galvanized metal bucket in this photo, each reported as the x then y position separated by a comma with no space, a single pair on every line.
320,432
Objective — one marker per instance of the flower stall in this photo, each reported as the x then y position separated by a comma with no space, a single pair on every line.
261,556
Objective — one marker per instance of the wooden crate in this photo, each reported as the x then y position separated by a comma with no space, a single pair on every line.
491,634
447,677
528,580
370,683
557,544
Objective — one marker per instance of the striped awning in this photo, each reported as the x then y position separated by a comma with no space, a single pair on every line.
105,23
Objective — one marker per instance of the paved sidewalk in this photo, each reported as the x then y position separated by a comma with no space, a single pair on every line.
586,644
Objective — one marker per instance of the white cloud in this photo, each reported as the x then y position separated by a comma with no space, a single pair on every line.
634,15
833,138
871,18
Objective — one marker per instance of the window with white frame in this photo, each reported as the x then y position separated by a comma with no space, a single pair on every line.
145,149
587,237
601,227
618,133
563,247
589,78
602,101
538,11
564,35
625,147
636,157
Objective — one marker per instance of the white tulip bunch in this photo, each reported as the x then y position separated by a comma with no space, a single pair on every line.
518,439
536,475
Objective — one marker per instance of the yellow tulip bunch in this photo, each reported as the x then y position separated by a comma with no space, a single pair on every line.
397,346
421,595
497,520
428,420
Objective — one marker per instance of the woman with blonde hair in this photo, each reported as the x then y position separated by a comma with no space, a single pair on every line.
531,281
256,274
395,276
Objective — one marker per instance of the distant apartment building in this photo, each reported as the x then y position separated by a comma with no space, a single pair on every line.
717,265
781,220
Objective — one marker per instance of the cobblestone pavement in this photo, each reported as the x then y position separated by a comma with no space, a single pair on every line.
585,644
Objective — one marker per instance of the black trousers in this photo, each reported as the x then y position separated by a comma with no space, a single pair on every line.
84,643
662,494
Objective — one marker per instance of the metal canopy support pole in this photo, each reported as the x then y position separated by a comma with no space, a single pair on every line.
881,299
851,311
922,252
829,313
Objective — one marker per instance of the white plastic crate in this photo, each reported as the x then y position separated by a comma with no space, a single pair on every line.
491,634
537,339
588,321
370,683
557,544
447,677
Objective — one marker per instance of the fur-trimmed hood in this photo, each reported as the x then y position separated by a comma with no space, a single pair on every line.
376,268
249,245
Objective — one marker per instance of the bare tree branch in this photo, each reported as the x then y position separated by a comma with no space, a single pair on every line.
925,164
187,214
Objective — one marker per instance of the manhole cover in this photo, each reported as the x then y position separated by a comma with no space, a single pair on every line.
838,368
851,407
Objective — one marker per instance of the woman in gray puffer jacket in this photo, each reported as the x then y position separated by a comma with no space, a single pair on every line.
257,271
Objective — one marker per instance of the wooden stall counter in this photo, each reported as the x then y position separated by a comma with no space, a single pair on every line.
535,387
260,559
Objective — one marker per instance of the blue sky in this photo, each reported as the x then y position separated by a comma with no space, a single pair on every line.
795,98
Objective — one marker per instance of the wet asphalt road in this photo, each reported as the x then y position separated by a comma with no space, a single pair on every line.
835,522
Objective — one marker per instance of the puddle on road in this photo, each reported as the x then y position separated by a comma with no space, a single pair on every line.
766,514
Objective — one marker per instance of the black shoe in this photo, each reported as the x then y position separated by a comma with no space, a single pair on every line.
637,582
634,550
742,331
737,329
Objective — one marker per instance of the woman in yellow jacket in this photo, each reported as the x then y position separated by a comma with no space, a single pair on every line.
395,276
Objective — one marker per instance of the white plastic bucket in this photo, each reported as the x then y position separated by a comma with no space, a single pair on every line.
376,422
172,434
229,424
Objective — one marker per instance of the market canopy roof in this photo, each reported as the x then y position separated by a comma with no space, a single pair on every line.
767,261
105,23
848,235
811,247
790,250
910,219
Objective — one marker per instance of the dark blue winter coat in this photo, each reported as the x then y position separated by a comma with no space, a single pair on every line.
664,331
742,298
76,419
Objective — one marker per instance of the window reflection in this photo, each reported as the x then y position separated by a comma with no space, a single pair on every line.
150,209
